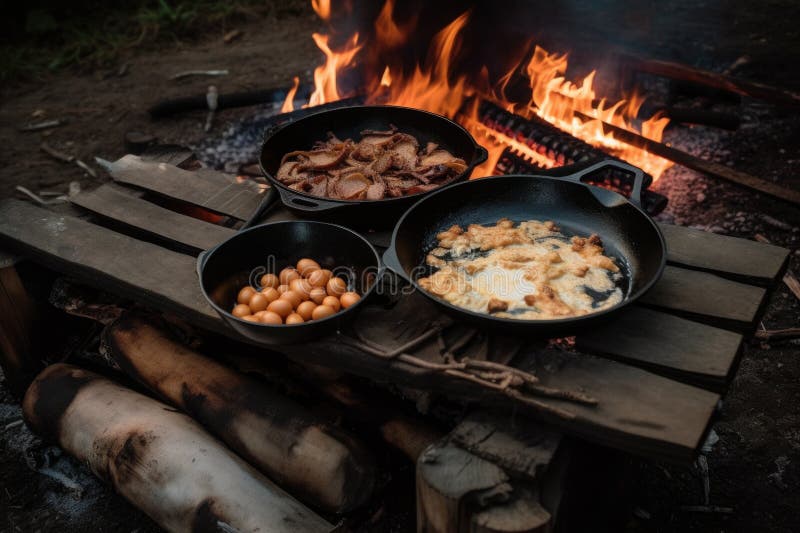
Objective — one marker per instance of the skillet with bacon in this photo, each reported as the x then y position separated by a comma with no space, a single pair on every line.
382,164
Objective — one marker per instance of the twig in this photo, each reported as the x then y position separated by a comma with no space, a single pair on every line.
44,125
38,199
89,170
66,158
778,334
13,424
474,363
775,223
422,363
572,396
792,283
410,345
61,156
706,509
187,73
561,413
487,374
231,36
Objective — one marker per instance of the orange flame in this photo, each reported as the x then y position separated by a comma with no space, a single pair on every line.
325,86
435,86
430,88
391,35
556,99
386,79
288,103
322,8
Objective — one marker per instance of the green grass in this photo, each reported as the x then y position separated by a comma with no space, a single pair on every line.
42,41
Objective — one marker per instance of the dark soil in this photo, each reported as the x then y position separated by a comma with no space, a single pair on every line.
754,467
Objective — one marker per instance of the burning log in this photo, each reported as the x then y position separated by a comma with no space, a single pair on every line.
158,459
320,464
543,138
695,163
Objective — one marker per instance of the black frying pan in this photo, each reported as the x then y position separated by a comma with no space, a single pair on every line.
242,259
348,122
627,232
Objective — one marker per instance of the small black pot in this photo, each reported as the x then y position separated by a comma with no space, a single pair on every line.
244,257
348,122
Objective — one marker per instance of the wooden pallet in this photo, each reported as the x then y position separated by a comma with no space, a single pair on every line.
657,372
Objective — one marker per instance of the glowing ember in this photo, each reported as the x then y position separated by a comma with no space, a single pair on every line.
435,86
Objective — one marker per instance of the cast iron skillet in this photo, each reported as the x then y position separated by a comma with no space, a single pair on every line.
348,122
627,232
243,258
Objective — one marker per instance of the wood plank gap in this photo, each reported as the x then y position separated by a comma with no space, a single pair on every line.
124,206
708,298
203,189
687,351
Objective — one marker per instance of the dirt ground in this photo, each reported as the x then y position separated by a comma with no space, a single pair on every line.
753,468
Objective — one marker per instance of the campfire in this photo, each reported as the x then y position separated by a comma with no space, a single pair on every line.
436,84
412,290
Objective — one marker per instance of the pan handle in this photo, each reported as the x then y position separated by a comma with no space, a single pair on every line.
481,155
202,258
266,202
392,262
638,177
304,203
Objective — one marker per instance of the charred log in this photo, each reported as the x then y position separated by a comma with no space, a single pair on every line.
158,459
319,463
545,139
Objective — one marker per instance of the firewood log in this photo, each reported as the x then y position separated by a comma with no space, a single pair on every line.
320,464
160,460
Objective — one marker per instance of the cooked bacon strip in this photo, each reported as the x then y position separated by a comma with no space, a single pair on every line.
322,159
352,187
381,164
376,191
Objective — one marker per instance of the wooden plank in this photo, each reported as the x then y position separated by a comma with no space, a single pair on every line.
639,411
636,409
118,204
103,258
675,347
707,298
211,190
740,259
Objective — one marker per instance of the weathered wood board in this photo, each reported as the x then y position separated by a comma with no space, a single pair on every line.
211,190
707,298
669,345
739,259
119,204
